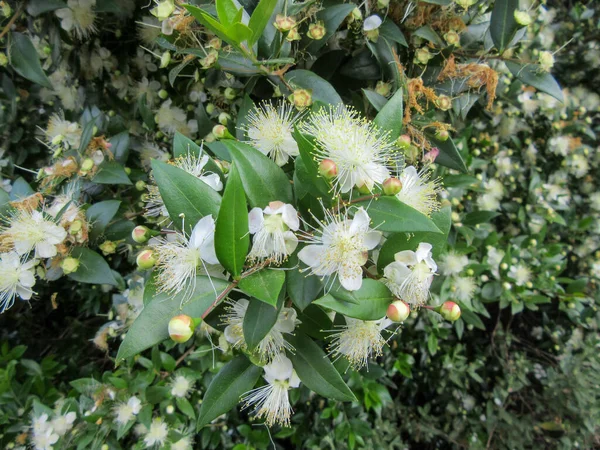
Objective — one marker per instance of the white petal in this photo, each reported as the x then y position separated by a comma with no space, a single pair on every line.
423,251
280,368
294,380
372,239
360,222
407,257
286,321
45,250
372,23
290,217
311,255
350,277
24,293
255,220
291,242
203,229
207,250
213,180
396,272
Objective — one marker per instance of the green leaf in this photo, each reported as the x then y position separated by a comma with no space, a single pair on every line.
235,379
477,217
432,344
146,113
314,322
120,146
183,145
301,287
87,134
533,75
226,11
99,216
260,18
265,285
37,7
391,32
232,237
93,268
390,214
377,100
185,407
401,241
242,118
24,59
390,116
449,155
20,189
332,18
262,179
427,33
322,91
258,321
111,172
316,371
306,147
503,24
372,301
185,194
209,22
239,32
151,326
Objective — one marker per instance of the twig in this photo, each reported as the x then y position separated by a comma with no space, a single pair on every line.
12,20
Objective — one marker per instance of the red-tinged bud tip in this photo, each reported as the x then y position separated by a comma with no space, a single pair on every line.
398,311
392,186
431,155
403,141
181,328
328,169
450,311
442,135
140,234
146,260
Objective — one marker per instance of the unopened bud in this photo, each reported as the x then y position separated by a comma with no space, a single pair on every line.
87,165
230,93
165,59
444,102
284,23
392,186
140,234
422,55
382,4
163,94
224,118
75,227
356,14
108,247
316,31
522,18
146,260
546,60
398,311
302,98
383,88
452,38
181,328
442,135
293,35
431,155
449,311
403,141
57,140
69,265
328,169
221,132
140,185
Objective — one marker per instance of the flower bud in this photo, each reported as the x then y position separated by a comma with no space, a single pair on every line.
108,247
293,35
221,132
75,227
372,35
69,265
392,186
522,18
165,59
444,102
181,328
383,88
284,23
146,260
452,38
355,15
224,118
449,311
209,60
382,4
302,98
316,31
87,165
431,155
230,93
403,141
328,169
442,135
398,311
546,60
422,56
140,185
140,234
163,94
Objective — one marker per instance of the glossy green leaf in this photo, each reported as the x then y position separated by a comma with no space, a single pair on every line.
322,91
99,216
390,214
151,326
236,378
242,118
262,179
377,100
231,233
477,217
371,301
302,287
213,25
503,24
449,155
390,116
258,321
37,7
427,33
260,18
265,285
226,11
87,134
314,322
392,33
533,75
306,147
93,268
120,146
185,194
316,371
24,59
111,172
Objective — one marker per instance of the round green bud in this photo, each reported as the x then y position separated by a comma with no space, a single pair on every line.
181,328
449,311
398,311
146,260
69,265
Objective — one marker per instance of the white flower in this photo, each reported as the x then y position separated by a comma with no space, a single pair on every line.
181,386
341,247
488,202
359,340
411,274
157,434
126,411
358,148
30,230
520,273
560,145
578,165
185,443
595,201
503,164
79,16
272,401
453,263
45,440
178,260
494,187
273,343
372,23
494,259
194,165
40,424
270,129
172,118
418,191
16,278
60,129
464,288
271,229
63,423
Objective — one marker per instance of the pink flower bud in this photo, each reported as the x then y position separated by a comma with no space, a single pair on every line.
140,234
392,186
449,311
146,260
431,155
398,311
328,169
403,141
181,328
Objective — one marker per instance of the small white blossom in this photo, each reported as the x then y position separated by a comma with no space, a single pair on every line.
157,434
273,343
341,247
63,423
126,411
520,273
181,386
194,165
45,440
358,148
273,229
418,191
185,443
372,23
464,288
453,263
410,275
79,17
16,278
30,230
272,401
270,129
59,129
359,340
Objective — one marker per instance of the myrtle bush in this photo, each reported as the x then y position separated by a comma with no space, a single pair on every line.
266,224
